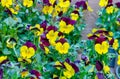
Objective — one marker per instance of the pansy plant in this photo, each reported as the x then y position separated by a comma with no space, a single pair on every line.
109,15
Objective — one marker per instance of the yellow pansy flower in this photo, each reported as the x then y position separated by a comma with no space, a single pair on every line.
63,77
65,28
118,62
102,48
110,9
6,3
89,35
64,4
24,73
28,3
26,52
52,1
22,59
46,50
118,57
94,30
39,31
57,63
118,23
54,76
68,66
88,7
111,33
104,29
109,38
62,48
119,51
17,7
103,3
13,11
11,43
69,72
64,10
3,58
74,16
52,35
106,69
57,9
47,9
115,44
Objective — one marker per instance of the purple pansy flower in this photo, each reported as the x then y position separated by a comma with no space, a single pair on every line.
52,28
118,4
68,20
83,57
100,75
1,73
81,4
46,2
30,44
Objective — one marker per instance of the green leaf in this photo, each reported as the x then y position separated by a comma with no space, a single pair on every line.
6,51
0,44
10,21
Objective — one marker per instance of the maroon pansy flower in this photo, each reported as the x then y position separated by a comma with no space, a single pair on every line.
44,25
111,41
8,12
60,13
110,1
67,60
62,40
99,65
42,46
74,67
92,37
36,74
101,32
72,64
3,62
52,28
100,39
60,34
75,12
44,40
